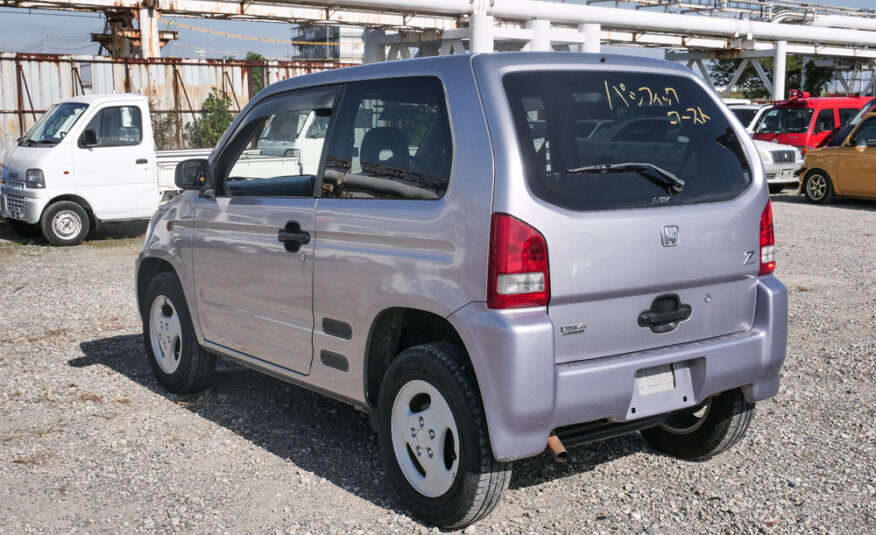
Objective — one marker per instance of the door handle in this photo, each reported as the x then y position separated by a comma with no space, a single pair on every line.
292,236
142,160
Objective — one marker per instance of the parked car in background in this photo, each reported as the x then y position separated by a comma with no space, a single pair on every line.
803,121
483,265
780,161
87,160
748,114
847,169
839,134
295,135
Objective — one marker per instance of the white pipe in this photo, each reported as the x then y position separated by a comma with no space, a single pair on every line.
481,34
541,35
591,37
779,71
839,21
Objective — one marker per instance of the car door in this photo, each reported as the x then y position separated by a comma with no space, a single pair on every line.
253,242
119,169
857,164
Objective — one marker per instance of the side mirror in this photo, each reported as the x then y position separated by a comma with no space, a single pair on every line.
192,174
88,138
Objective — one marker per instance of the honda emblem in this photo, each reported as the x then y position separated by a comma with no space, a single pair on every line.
669,235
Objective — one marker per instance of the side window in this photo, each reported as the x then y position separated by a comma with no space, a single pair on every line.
866,132
846,115
117,126
825,121
392,141
272,155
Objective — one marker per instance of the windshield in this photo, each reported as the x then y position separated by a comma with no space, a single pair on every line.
745,115
863,111
660,124
51,128
784,121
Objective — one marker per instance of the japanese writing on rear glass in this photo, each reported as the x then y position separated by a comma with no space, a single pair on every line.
619,95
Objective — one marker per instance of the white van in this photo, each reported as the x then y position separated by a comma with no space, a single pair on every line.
87,160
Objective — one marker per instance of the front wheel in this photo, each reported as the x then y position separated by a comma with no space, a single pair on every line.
65,223
179,363
433,437
818,187
704,431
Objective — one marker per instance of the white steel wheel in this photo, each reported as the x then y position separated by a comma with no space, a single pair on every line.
165,333
425,438
67,224
684,423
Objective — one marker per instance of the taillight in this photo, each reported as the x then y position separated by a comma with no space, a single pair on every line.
767,241
518,272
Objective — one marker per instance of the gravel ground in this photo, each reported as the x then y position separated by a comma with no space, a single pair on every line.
89,443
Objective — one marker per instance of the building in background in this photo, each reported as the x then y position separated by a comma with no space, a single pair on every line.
329,43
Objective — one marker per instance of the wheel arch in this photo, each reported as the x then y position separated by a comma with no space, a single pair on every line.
148,268
394,330
81,201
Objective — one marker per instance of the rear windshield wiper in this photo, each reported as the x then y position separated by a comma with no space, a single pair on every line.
657,175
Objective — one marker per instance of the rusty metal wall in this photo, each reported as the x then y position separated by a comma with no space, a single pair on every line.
31,83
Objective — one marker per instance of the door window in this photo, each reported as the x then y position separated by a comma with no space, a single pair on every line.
117,126
268,156
392,141
846,115
825,121
867,132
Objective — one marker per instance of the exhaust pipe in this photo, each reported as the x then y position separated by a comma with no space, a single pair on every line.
557,449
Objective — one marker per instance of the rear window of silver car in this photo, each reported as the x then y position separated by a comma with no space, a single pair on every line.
578,130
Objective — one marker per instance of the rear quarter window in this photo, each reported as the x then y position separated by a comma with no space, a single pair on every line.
606,140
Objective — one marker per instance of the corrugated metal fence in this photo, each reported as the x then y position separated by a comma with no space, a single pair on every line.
31,83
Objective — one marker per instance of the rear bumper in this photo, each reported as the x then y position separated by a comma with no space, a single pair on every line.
22,203
526,395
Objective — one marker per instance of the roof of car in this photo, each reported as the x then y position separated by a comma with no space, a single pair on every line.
91,99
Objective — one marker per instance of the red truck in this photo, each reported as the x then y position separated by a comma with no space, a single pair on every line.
803,121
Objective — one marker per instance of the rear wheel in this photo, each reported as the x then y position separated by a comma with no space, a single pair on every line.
177,360
818,187
708,429
434,440
65,223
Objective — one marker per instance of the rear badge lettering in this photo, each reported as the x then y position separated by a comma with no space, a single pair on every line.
669,235
573,329
749,258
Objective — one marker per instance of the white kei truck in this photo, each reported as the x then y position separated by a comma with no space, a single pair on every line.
86,161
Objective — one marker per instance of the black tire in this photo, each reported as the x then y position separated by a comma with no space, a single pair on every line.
685,435
24,229
187,367
776,188
65,223
818,187
479,481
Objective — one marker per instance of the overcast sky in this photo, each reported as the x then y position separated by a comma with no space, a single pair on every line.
58,32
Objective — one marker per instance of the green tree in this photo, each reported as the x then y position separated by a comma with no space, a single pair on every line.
751,86
257,74
206,130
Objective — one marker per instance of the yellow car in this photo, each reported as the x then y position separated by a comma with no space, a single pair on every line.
848,170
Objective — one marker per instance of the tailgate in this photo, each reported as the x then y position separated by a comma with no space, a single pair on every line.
607,269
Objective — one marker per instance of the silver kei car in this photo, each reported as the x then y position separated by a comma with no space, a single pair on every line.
477,269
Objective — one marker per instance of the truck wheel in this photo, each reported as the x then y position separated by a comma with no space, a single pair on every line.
24,229
65,223
776,188
818,187
433,437
708,429
177,360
